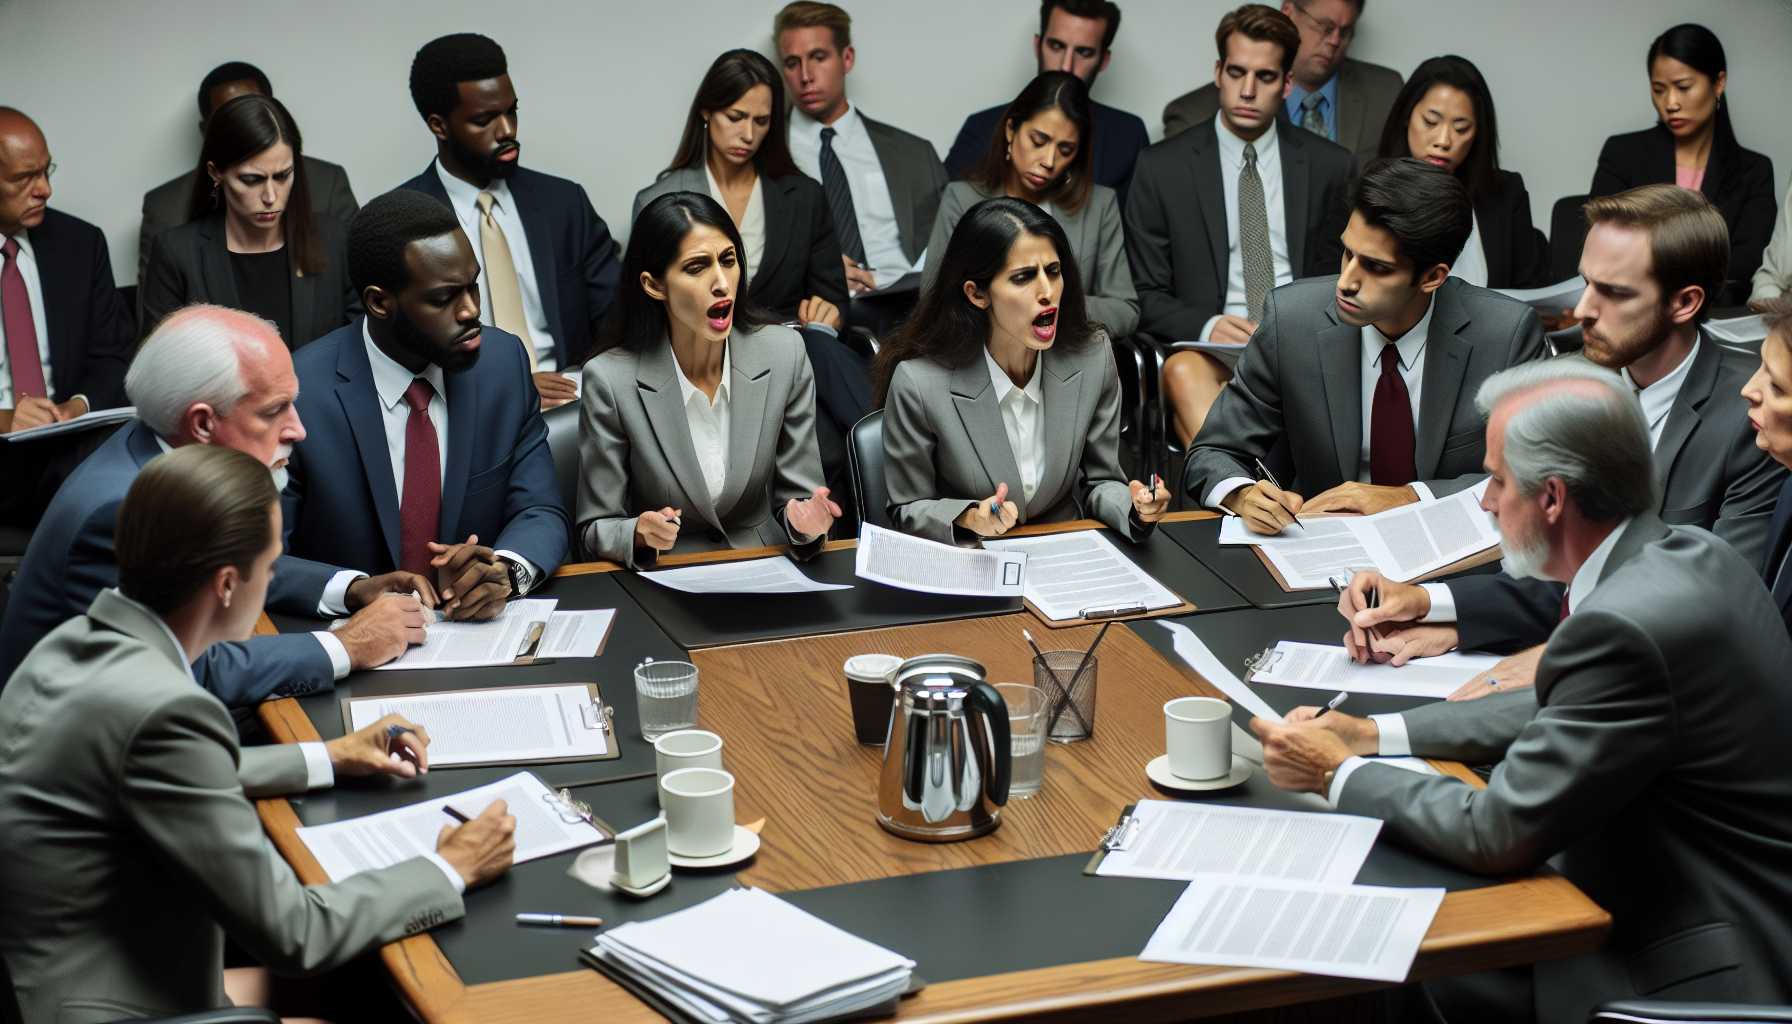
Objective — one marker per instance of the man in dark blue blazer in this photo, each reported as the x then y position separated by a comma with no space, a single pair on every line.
1074,36
563,261
425,429
208,375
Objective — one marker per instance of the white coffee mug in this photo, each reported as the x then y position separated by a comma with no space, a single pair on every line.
687,748
699,805
1198,737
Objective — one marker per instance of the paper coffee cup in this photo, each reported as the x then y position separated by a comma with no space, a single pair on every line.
699,805
1198,737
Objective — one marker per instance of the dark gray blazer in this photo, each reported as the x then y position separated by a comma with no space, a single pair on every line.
1176,233
1710,474
1300,379
635,449
915,176
1366,94
165,206
945,447
1097,243
1648,765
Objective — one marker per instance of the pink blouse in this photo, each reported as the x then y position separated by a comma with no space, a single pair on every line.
1689,177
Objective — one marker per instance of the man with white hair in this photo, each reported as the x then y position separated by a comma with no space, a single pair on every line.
1647,764
208,375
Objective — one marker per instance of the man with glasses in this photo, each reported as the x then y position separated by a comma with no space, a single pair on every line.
1345,100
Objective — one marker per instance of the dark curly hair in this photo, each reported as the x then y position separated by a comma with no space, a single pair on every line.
378,235
442,64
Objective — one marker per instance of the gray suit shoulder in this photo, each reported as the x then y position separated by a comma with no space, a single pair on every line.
898,136
1375,75
1487,304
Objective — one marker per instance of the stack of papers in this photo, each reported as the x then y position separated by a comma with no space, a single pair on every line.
1074,575
774,575
913,563
526,627
1174,839
74,425
555,722
748,956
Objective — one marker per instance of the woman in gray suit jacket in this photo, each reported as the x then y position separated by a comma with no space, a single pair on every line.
1040,153
696,408
1001,401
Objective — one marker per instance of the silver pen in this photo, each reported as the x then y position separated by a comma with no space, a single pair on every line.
560,920
1271,477
1332,705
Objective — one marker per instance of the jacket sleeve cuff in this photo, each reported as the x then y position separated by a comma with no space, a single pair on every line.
1344,771
339,662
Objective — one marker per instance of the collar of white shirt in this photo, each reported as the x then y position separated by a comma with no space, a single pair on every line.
686,389
999,377
25,251
1587,576
465,195
1659,397
390,380
847,126
1232,147
1410,345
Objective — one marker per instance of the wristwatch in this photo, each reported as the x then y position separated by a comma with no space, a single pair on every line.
521,576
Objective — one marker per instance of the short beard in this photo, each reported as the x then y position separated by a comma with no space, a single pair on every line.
484,164
280,477
1524,556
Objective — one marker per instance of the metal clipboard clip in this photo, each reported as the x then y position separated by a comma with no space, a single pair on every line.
1263,660
1124,831
598,717
1093,614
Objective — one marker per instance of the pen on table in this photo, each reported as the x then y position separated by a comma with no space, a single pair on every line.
560,920
1332,705
1271,477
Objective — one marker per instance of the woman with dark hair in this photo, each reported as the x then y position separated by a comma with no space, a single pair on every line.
251,241
696,404
1693,145
1001,401
1444,116
1041,153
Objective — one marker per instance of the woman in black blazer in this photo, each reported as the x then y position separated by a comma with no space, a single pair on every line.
1693,145
251,241
1444,115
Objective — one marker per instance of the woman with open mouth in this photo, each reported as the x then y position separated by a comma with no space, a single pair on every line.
1001,400
697,426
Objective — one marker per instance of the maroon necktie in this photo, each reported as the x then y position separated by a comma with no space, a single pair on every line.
21,333
421,505
1390,426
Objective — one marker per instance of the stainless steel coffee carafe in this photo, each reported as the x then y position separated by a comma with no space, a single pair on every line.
946,763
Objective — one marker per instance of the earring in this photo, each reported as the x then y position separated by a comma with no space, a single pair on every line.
227,599
1007,154
214,191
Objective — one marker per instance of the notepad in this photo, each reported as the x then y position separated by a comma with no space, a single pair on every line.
1074,575
914,563
530,628
512,725
72,425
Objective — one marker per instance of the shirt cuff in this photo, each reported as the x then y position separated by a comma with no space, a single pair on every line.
1223,490
335,599
453,876
530,570
1351,764
827,329
339,663
1207,328
1393,736
1421,490
319,773
1443,603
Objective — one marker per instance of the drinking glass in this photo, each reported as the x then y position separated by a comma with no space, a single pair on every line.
665,696
1027,713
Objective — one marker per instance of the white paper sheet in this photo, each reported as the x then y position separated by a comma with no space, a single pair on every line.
1349,931
1173,839
349,847
1412,540
527,723
477,644
1233,531
1329,667
1551,298
85,421
576,634
1070,574
911,563
774,575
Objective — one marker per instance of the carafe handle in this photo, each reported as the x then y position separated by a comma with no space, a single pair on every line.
987,701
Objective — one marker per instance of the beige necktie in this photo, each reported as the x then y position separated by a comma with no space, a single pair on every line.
500,278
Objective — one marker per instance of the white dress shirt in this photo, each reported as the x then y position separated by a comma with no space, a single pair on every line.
871,200
708,421
34,290
752,222
1471,264
1269,168
1023,415
463,197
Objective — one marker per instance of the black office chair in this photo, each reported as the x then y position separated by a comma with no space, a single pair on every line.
1567,233
1664,1011
865,459
563,442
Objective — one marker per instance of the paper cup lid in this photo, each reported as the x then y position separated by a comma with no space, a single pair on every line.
871,667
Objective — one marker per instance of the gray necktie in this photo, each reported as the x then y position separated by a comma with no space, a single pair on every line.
1310,117
1253,236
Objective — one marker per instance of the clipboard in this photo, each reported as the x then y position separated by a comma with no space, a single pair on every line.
1486,556
1125,830
1096,616
595,715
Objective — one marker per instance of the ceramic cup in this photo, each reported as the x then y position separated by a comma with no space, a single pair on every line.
699,805
687,748
1198,737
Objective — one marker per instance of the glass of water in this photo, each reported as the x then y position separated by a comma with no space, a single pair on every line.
665,696
1027,714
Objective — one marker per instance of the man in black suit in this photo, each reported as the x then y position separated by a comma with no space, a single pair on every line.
1075,36
1220,215
166,205
547,263
65,335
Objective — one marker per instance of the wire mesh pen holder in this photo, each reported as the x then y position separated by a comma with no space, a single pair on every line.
1068,680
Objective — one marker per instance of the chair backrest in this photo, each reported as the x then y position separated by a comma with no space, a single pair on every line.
563,441
1666,1011
1567,233
865,456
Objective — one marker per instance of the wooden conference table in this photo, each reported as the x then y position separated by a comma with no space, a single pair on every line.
1004,927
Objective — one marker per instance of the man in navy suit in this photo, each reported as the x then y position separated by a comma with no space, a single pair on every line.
425,430
547,262
208,375
1074,36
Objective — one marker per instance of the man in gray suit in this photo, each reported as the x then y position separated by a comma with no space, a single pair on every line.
166,205
1344,100
1369,376
1647,765
125,800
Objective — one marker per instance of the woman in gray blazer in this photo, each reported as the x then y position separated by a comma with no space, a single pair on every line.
697,425
1040,153
1001,401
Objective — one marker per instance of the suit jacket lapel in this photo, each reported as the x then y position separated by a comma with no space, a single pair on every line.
777,229
1294,197
214,264
429,182
361,407
1446,362
58,287
749,382
1060,419
1643,530
903,186
1778,543
463,426
1210,190
538,231
1684,415
1341,372
975,398
656,380
142,443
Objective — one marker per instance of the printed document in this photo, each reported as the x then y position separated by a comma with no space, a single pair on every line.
498,641
911,563
345,848
526,723
1403,543
1071,574
73,425
1172,839
1349,931
774,575
1551,298
1328,667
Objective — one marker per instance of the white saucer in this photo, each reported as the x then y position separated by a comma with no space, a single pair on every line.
596,867
746,844
1158,771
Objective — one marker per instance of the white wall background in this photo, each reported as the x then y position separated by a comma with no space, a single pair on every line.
603,86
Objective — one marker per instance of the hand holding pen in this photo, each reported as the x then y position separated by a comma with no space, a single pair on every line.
391,746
